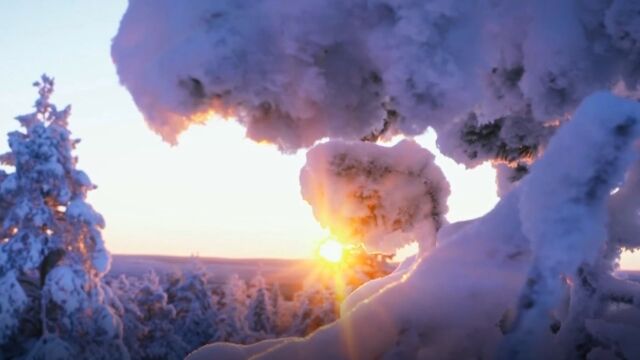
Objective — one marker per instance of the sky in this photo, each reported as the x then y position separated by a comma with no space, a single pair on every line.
215,194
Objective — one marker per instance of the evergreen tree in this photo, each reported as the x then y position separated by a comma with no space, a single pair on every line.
52,237
195,310
159,340
230,324
316,306
126,289
276,304
226,330
260,317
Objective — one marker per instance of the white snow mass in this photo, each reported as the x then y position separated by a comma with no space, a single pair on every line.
520,83
381,197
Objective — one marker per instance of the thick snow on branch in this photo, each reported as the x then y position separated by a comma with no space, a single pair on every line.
294,72
563,208
12,303
383,197
577,180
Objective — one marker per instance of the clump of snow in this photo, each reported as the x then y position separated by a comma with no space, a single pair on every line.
383,197
66,286
12,302
295,72
51,347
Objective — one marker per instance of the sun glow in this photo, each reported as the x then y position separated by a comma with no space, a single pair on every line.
331,251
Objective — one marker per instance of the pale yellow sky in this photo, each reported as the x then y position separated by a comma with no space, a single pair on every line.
219,194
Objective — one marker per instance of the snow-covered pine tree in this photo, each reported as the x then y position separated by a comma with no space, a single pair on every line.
134,330
226,330
316,306
159,340
52,237
276,305
232,306
302,316
195,310
260,316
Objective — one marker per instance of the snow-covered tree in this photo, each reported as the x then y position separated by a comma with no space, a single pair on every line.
52,241
260,313
160,340
277,300
517,83
316,306
12,304
195,309
134,330
232,306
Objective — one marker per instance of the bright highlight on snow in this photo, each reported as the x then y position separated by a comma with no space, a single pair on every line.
331,251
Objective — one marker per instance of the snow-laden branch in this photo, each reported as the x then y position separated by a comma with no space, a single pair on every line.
382,197
294,72
563,209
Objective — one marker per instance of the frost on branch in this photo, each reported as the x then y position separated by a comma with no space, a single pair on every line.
382,197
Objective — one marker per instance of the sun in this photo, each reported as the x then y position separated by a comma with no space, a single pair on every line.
331,251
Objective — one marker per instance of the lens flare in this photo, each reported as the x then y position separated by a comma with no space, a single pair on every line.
331,251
